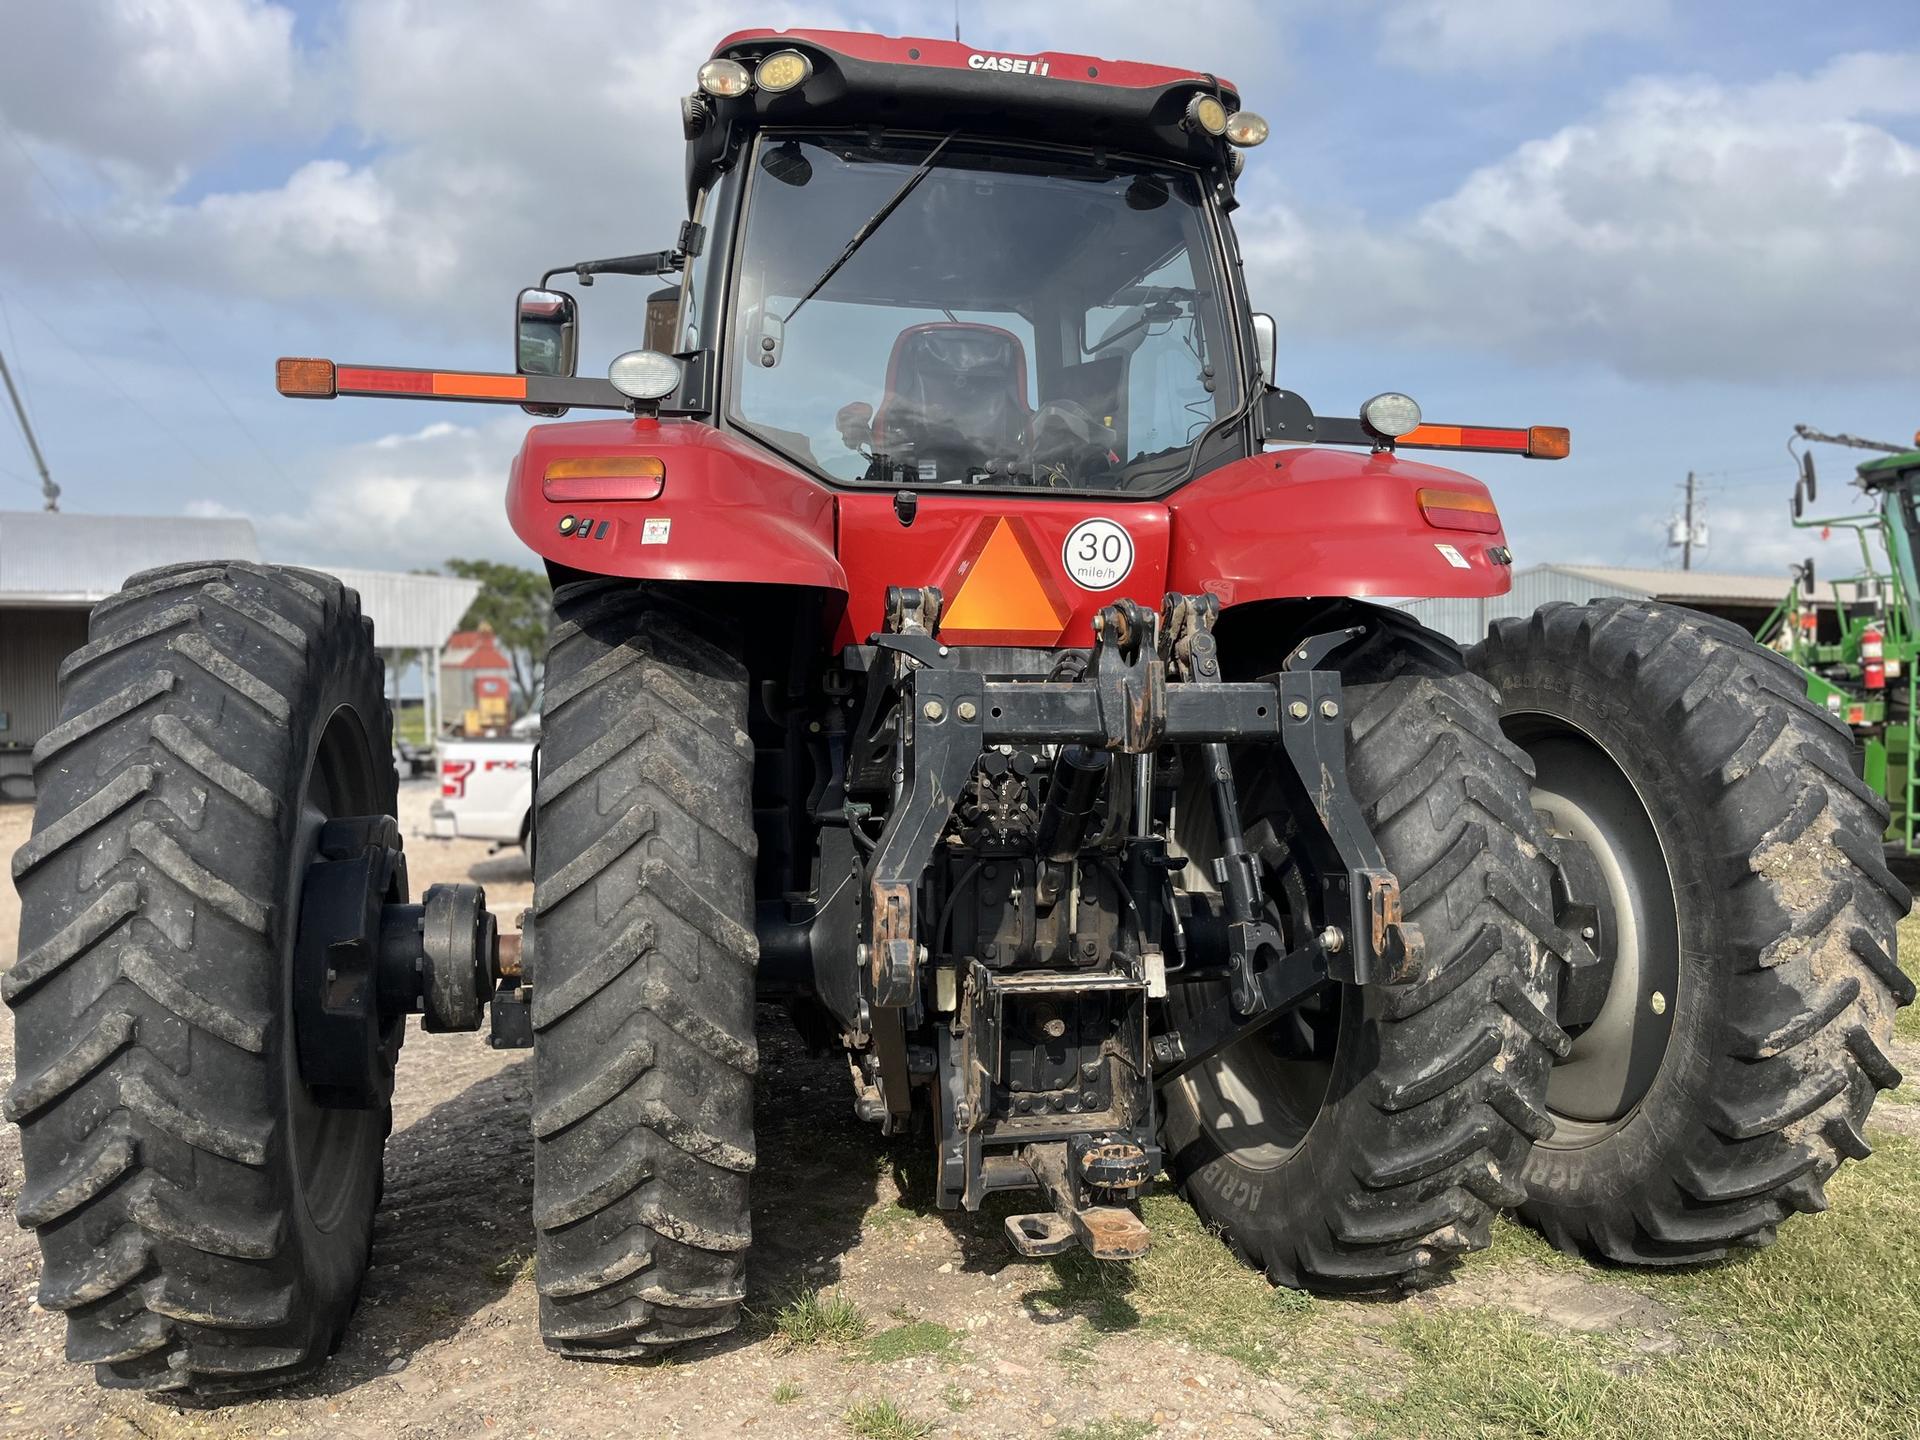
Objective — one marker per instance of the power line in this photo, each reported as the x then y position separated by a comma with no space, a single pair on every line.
16,475
13,349
120,390
140,300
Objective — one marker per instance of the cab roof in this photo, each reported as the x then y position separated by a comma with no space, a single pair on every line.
909,84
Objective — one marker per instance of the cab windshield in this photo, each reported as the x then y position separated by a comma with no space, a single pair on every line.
1012,319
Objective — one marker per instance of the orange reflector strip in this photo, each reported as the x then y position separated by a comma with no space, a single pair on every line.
605,477
1549,442
1459,510
1006,596
303,377
443,384
1466,437
493,387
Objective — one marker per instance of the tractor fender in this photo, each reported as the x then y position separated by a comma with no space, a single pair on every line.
1318,521
725,511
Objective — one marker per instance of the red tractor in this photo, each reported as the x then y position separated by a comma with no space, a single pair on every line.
962,638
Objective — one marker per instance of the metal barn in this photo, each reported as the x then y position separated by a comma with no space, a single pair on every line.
1744,599
54,567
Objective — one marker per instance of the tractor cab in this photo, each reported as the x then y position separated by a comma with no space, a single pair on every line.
909,263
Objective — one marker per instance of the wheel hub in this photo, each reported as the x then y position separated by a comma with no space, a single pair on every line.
364,958
1619,1011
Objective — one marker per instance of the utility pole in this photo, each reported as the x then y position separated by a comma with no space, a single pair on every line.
48,489
1686,545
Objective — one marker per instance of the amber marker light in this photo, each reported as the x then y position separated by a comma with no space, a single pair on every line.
1459,510
604,477
1549,442
304,378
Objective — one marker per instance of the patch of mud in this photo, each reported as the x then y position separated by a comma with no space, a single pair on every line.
1569,1301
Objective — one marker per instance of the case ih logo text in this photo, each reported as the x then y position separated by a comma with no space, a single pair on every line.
1007,63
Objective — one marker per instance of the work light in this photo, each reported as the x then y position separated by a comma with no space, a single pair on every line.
1246,128
644,374
1391,414
782,70
724,78
1205,112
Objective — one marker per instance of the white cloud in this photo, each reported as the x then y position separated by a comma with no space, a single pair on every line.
1485,35
499,149
1689,229
148,86
401,501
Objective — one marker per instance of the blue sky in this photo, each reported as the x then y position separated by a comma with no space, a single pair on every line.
1678,228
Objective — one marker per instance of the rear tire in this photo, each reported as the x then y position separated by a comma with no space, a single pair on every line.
203,1223
1386,1154
643,974
1742,863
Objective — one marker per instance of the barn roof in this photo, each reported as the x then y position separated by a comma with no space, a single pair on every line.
66,560
49,558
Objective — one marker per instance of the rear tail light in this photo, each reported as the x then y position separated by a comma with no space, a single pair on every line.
604,477
1459,510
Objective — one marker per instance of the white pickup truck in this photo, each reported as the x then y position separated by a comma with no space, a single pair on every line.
486,790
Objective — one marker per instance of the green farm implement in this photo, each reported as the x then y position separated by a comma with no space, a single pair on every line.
1860,663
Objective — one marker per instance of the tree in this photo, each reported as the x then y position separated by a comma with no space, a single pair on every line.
517,604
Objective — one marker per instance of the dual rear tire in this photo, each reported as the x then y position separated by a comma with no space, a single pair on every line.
1660,987
1745,930
204,1220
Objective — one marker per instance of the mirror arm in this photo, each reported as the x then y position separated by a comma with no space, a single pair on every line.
653,262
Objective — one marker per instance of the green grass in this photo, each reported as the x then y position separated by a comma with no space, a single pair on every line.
1906,1023
915,1337
819,1317
517,1265
1078,1354
1811,1337
1113,1428
957,1398
884,1420
892,1215
1189,1286
410,724
786,1393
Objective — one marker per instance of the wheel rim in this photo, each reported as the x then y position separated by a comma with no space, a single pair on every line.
324,1140
1587,799
1262,1096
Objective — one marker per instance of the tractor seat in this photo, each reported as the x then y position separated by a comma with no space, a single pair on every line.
956,395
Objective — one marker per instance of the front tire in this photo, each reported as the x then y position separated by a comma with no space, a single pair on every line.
1746,912
643,974
204,1223
1365,1142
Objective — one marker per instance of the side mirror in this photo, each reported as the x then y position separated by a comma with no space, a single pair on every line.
1266,347
546,339
1806,474
1799,498
1807,581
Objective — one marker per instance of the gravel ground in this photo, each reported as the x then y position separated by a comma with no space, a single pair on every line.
446,1343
